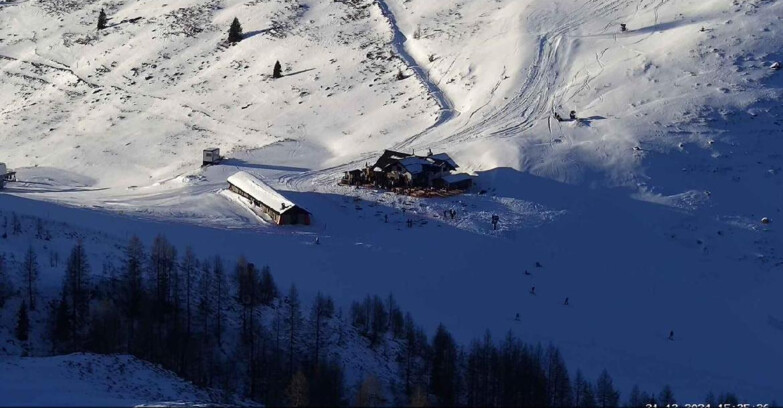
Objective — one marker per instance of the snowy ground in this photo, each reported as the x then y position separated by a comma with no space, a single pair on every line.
92,380
645,213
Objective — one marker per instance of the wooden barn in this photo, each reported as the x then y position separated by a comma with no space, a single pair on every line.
265,201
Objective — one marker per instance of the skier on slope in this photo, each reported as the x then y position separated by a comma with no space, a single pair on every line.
533,290
671,335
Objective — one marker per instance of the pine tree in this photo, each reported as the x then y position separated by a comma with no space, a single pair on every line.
666,397
379,320
30,276
606,395
323,309
445,377
268,287
635,398
6,286
559,390
76,290
189,267
102,20
235,31
132,295
16,225
22,331
726,399
60,326
583,391
277,72
369,393
298,391
293,323
221,296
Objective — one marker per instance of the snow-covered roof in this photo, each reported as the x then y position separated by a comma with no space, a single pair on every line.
456,178
261,191
444,157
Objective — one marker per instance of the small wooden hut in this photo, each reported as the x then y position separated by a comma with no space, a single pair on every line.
265,201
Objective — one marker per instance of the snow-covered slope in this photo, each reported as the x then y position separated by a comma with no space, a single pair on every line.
645,213
92,380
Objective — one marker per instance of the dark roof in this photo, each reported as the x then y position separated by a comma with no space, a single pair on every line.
414,163
390,157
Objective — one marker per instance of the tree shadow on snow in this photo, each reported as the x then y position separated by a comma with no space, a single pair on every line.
298,72
243,163
254,33
664,26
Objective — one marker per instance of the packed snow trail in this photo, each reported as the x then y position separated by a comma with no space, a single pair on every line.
447,111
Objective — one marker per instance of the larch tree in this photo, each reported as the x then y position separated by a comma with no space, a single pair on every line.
6,286
605,394
30,276
76,290
444,378
22,331
666,396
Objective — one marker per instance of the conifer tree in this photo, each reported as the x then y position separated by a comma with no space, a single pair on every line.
635,398
293,323
6,286
559,391
22,323
102,20
268,287
666,397
61,328
444,378
277,72
298,391
76,290
30,276
606,395
235,31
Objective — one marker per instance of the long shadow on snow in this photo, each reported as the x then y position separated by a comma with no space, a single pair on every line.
243,163
254,33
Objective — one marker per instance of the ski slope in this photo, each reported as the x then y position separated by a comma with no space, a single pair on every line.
645,212
92,380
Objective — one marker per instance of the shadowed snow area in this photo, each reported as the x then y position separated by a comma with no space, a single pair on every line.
644,211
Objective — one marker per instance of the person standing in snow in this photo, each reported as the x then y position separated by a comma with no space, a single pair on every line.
517,318
671,335
533,290
566,302
453,213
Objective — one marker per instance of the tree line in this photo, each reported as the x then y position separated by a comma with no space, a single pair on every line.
228,327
